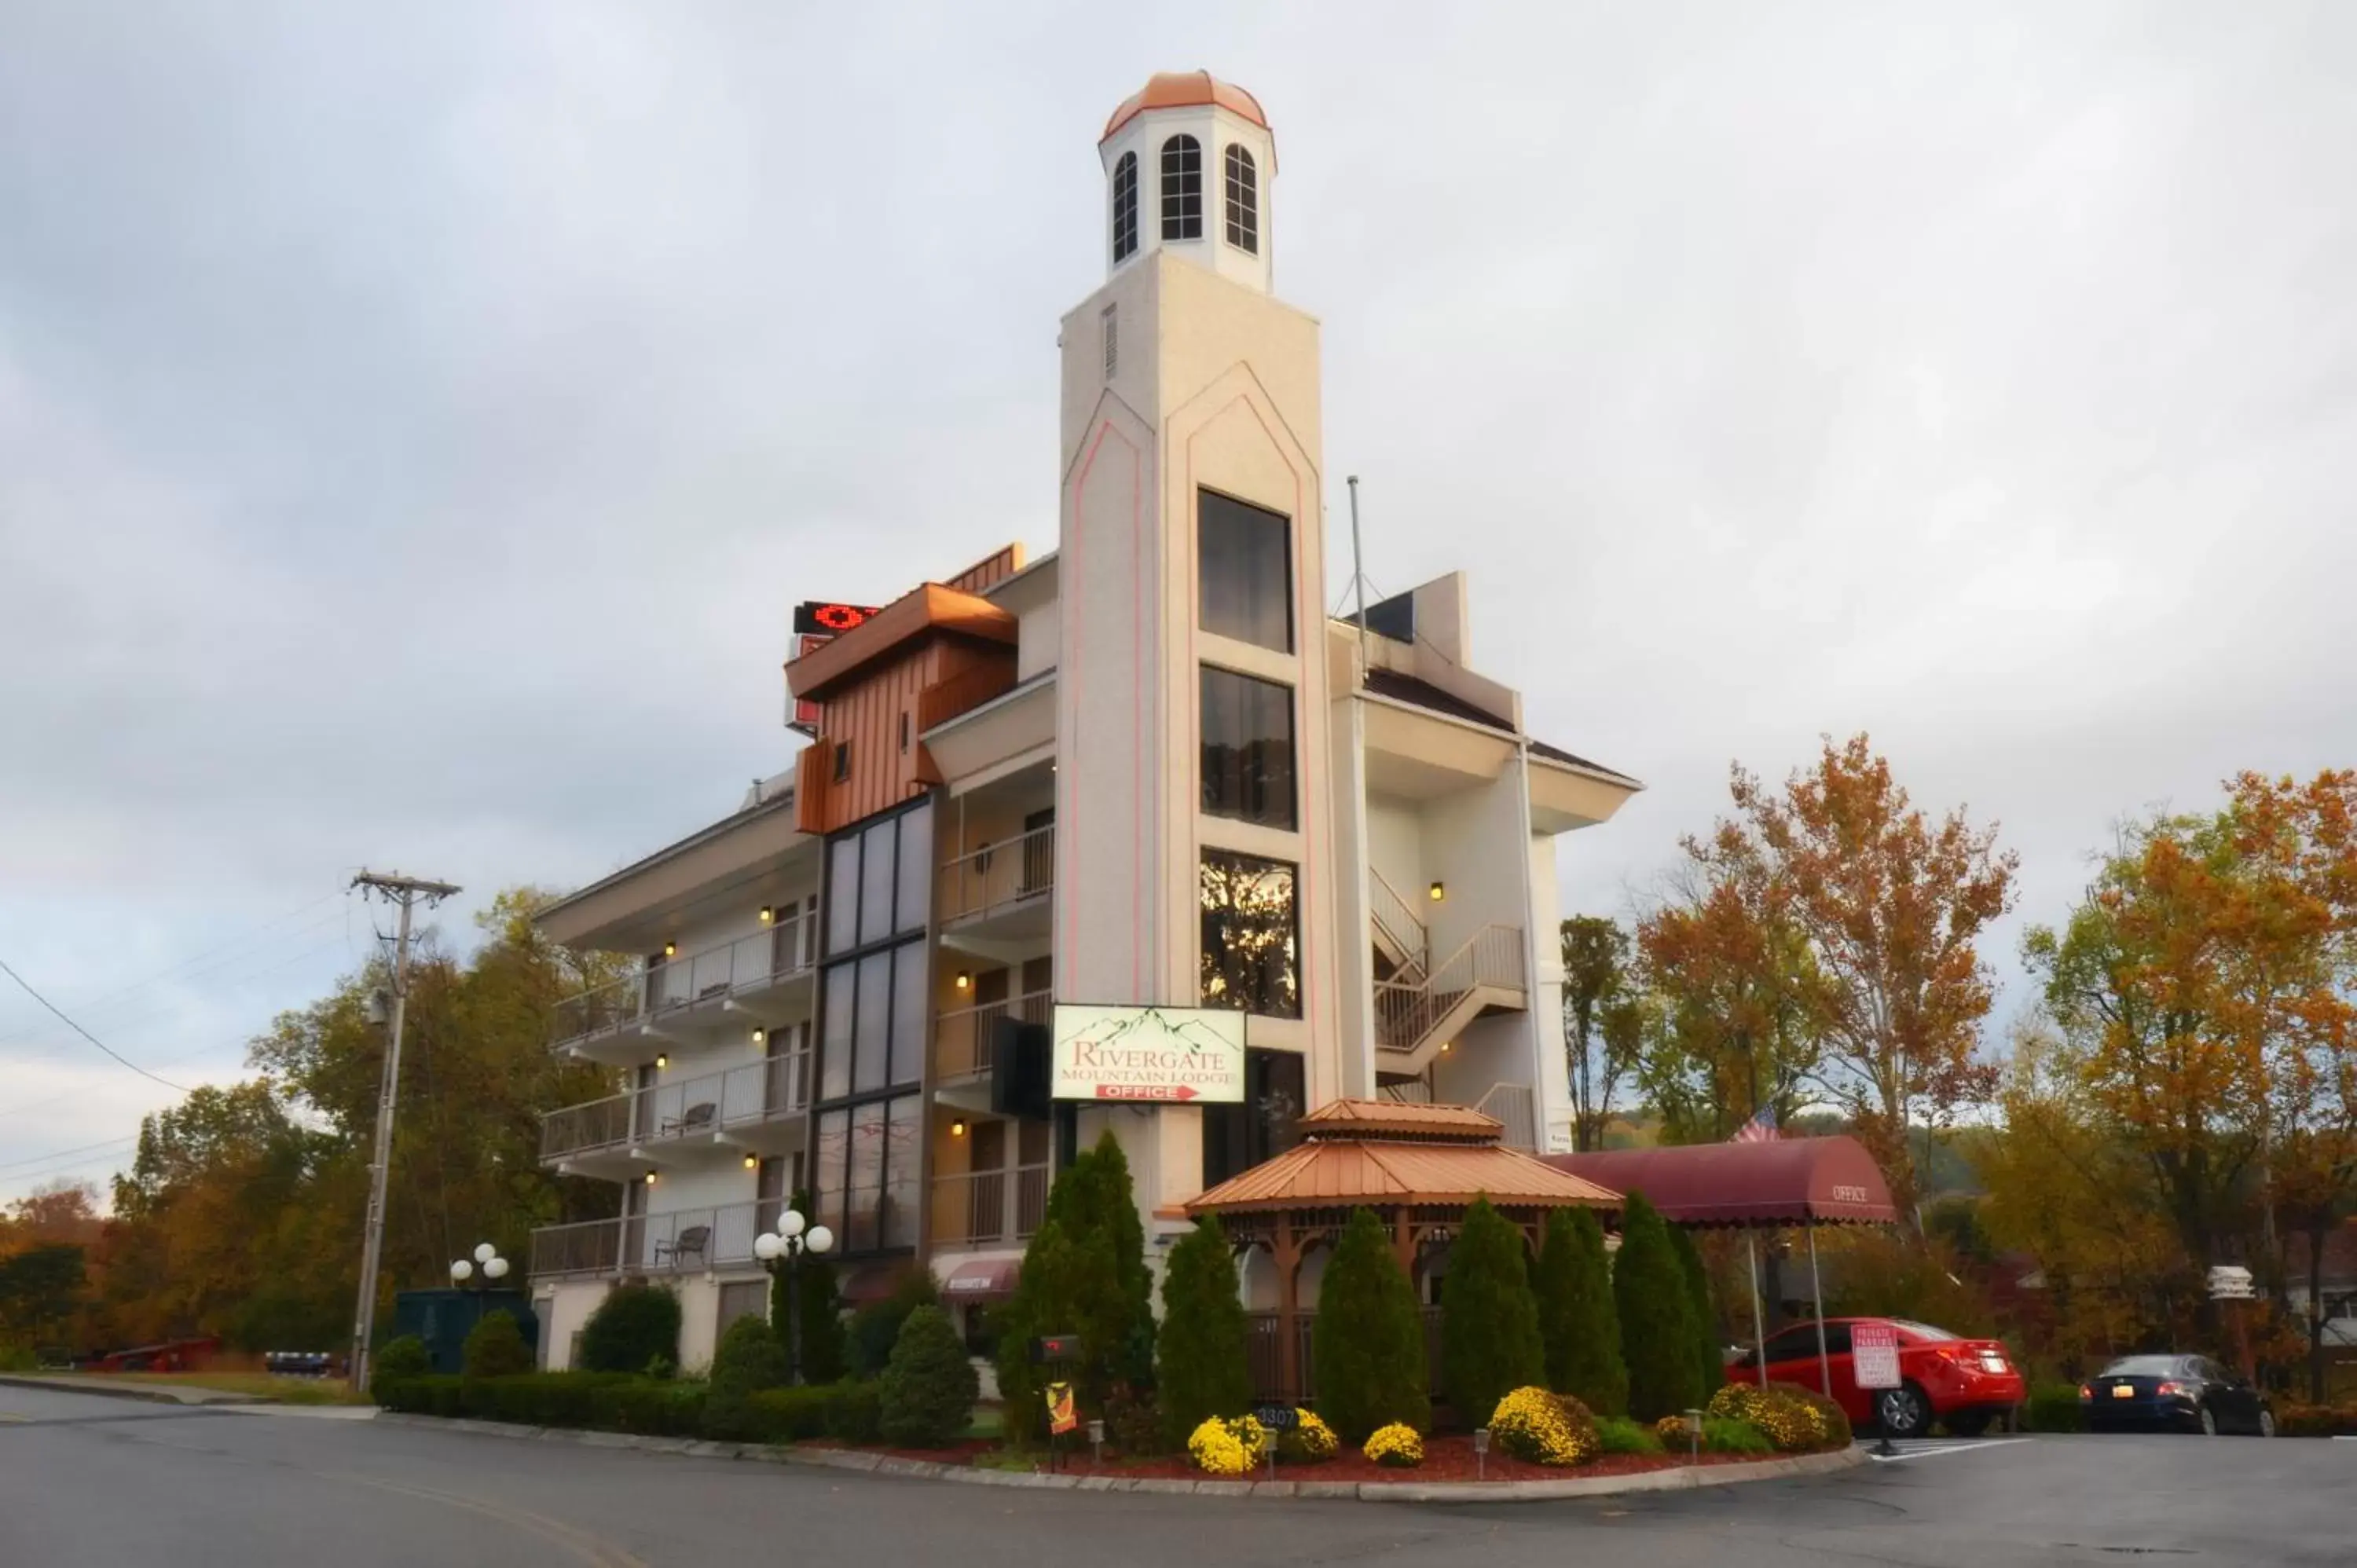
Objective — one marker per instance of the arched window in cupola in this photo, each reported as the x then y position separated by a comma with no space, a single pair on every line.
1182,188
1243,200
1125,209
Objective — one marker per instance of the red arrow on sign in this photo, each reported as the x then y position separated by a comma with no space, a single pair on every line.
1178,1091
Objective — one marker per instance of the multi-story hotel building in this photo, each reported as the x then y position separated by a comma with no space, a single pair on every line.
1144,768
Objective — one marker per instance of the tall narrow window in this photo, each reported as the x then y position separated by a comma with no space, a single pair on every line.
1251,936
1245,570
1243,200
1182,188
1125,209
1247,727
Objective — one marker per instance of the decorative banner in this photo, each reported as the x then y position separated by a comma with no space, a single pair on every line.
1165,1055
1062,1415
1874,1355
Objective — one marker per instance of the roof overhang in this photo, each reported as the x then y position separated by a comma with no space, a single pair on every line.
1770,1185
1564,796
928,608
639,906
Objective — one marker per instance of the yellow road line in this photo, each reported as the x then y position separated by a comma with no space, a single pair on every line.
591,1549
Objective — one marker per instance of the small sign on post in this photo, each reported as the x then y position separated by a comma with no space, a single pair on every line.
1874,1357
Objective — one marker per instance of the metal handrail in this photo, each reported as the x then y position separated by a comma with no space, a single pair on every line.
734,1097
1516,1108
1406,1013
785,949
999,876
972,1208
1397,919
685,1240
962,1035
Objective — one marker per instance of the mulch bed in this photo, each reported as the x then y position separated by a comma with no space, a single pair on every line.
1445,1458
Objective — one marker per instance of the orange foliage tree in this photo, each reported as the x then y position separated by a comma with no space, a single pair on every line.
1834,916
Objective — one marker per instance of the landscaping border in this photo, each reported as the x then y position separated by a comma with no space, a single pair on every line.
1675,1478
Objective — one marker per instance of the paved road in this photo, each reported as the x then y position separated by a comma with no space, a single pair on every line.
88,1482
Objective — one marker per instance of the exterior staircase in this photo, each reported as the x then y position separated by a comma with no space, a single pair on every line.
1423,1006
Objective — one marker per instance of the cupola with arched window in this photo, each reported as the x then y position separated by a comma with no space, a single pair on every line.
1188,160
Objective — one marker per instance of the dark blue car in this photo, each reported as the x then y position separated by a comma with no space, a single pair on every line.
2173,1393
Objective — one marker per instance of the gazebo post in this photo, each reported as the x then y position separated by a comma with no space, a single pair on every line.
1288,1309
1758,1327
1817,1289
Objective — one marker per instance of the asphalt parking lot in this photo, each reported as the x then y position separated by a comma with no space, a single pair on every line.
94,1483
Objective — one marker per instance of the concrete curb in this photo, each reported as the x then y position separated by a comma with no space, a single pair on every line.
147,1392
1682,1478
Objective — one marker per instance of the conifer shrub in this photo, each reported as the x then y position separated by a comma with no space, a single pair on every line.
635,1327
1201,1362
1489,1317
495,1347
1578,1325
927,1393
1367,1339
1657,1337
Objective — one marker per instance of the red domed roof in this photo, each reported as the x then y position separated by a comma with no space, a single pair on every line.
1186,90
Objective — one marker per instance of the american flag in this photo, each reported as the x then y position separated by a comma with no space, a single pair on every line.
1761,1129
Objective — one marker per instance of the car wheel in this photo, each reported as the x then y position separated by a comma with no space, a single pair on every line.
2209,1422
1967,1423
2267,1424
1903,1412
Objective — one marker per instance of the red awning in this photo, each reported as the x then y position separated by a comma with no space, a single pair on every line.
862,1284
982,1279
1787,1181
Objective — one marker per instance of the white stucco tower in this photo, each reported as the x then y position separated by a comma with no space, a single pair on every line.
1192,581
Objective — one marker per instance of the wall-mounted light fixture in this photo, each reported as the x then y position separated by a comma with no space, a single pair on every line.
957,1127
1438,892
651,1179
1446,1045
760,1037
752,1162
964,979
671,949
768,914
662,1060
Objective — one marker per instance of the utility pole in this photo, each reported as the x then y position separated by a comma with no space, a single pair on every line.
405,891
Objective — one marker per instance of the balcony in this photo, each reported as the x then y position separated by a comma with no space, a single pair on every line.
980,1209
1000,893
763,978
686,1242
962,1036
755,1108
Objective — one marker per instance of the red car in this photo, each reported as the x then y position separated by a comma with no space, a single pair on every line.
1965,1383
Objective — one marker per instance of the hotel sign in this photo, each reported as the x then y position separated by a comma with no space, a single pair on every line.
1148,1054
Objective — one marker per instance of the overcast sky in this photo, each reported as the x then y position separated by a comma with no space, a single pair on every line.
416,422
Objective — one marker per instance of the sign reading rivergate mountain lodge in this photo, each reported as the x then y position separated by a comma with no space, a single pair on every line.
1149,1055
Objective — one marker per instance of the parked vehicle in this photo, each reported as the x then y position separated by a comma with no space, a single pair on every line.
1964,1383
2181,1394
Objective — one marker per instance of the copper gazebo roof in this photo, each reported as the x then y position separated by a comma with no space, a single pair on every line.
1385,1153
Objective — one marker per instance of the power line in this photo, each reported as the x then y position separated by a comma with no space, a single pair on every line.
85,1034
61,1153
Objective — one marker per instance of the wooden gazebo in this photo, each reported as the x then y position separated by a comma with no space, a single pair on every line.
1417,1167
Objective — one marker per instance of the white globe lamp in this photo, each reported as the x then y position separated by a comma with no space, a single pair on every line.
461,1271
485,1252
495,1268
765,1247
821,1238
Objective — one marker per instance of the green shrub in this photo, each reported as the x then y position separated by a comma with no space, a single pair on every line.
1368,1340
1085,1274
1657,1338
495,1347
651,1407
1578,1325
926,1395
1702,1318
1832,1420
1619,1435
1489,1319
1787,1415
1201,1370
1542,1428
786,1416
824,1356
1724,1435
430,1394
748,1361
2055,1407
397,1360
855,1412
875,1328
632,1328
542,1399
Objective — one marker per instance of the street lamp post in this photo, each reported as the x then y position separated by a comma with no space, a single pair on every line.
782,1253
494,1267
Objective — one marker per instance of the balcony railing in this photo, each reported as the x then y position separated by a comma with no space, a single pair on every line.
1000,877
686,1242
748,963
962,1038
975,1208
1406,1015
711,1102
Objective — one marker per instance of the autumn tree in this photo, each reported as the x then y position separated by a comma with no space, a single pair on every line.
1835,920
1602,1024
